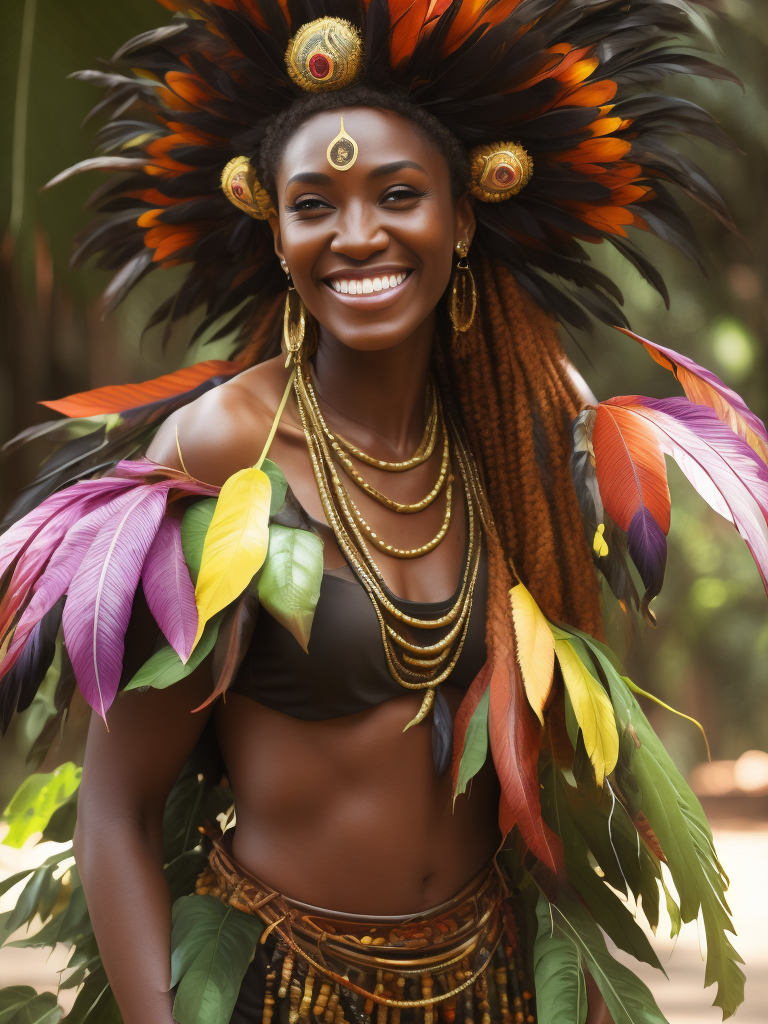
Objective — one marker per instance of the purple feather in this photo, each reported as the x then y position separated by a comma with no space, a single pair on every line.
168,588
722,467
58,574
100,597
648,548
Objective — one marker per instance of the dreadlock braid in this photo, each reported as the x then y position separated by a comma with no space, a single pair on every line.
511,386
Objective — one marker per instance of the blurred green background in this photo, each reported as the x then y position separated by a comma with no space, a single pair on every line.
708,656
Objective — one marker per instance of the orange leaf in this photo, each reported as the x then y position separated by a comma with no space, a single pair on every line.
122,397
631,472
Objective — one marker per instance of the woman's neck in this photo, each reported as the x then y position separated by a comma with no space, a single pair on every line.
379,395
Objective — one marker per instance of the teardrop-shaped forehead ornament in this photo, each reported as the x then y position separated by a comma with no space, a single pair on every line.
325,54
499,171
342,151
241,187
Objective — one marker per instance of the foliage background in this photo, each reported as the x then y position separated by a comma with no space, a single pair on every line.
708,655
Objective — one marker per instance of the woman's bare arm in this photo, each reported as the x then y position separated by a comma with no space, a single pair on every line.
127,776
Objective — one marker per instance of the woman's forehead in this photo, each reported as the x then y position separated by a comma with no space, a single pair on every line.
382,137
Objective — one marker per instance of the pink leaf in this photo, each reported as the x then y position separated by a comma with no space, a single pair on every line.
59,573
100,596
168,588
721,466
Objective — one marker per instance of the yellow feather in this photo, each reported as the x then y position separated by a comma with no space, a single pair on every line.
535,648
593,711
236,543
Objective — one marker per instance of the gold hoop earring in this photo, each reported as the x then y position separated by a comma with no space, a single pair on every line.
294,323
462,303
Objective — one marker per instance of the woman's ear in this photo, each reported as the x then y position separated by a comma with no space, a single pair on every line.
274,223
465,219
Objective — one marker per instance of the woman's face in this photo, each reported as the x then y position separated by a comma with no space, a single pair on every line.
370,248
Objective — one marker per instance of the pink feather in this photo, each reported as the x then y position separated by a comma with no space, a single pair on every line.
705,388
168,588
100,597
59,573
722,467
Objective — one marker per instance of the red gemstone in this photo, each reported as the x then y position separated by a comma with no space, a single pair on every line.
504,175
319,66
238,190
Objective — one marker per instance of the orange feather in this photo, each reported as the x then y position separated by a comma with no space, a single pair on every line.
121,397
631,472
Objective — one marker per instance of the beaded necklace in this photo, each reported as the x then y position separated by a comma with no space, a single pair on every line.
414,666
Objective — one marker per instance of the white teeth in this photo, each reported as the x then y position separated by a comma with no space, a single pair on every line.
367,285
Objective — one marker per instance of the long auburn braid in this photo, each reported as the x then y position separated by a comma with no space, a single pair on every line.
510,383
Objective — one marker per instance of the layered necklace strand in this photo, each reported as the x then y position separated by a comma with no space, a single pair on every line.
413,666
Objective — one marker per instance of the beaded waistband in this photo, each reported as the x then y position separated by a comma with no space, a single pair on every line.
399,963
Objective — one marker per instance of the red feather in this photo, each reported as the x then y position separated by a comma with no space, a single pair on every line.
120,398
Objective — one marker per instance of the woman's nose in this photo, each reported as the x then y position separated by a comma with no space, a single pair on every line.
360,232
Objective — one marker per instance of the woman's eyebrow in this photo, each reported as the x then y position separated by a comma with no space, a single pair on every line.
309,178
396,165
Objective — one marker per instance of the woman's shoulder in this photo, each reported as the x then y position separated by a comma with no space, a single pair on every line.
225,429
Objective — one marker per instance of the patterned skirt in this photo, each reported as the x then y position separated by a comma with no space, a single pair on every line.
459,963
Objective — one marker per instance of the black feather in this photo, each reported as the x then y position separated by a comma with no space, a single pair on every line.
19,686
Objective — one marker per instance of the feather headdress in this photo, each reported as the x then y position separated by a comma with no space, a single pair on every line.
566,79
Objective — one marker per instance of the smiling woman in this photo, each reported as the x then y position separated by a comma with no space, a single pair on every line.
371,542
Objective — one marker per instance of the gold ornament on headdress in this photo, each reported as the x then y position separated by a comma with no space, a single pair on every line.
242,187
499,171
325,54
342,151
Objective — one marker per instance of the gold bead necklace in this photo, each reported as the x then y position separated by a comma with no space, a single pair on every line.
362,483
413,666
422,453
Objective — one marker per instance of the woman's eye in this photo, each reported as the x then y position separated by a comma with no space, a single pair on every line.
402,192
309,203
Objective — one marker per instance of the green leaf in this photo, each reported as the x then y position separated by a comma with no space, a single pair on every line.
561,991
61,827
21,1004
181,816
36,799
606,908
95,1002
289,584
682,829
212,946
629,1001
39,894
165,667
475,744
279,486
194,527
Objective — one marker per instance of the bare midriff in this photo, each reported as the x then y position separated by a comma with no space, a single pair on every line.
349,813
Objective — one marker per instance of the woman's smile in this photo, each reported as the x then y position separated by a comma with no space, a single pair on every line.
371,288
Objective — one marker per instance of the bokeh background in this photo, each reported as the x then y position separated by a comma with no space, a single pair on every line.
709,654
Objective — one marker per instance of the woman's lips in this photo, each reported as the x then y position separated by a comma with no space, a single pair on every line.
374,290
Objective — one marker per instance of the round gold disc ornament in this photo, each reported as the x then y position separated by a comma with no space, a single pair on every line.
325,54
241,187
499,171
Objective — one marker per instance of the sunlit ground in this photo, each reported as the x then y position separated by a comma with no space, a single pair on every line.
743,851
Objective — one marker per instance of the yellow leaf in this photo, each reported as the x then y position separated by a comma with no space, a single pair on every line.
593,711
236,543
535,648
599,545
